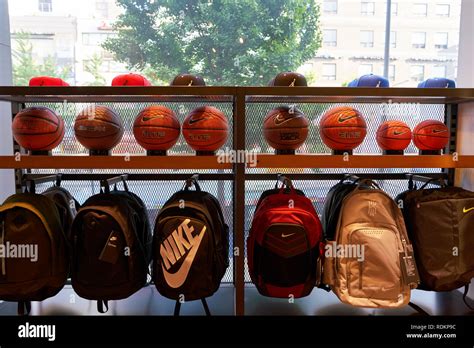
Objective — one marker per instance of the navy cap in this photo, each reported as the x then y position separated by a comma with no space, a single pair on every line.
370,80
437,82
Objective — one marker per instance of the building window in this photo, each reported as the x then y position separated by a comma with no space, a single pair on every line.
95,39
329,72
441,41
420,10
417,73
393,39
443,10
439,71
391,72
367,8
45,5
418,40
394,8
367,38
366,69
330,37
102,8
330,6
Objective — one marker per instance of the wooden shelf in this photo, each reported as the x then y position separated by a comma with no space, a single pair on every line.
211,162
363,161
113,162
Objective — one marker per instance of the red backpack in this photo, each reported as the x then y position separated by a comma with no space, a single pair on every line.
283,246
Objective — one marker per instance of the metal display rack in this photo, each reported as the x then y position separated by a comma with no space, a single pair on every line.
455,169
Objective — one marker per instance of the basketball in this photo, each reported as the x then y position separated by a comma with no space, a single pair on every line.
290,79
206,128
431,135
187,80
130,79
156,128
285,128
342,128
393,136
38,129
98,128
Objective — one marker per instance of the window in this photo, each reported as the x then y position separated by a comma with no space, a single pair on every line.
443,10
367,38
367,8
102,8
329,72
418,40
95,39
330,37
420,10
394,8
366,69
45,5
393,39
418,72
439,71
441,41
330,6
391,72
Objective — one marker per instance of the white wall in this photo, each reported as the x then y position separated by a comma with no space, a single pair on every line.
6,176
466,46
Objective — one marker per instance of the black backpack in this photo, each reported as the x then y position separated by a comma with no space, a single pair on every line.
111,247
30,221
190,246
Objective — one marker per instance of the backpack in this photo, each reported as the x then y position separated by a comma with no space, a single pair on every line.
111,247
31,228
283,245
439,222
370,262
332,206
190,246
67,207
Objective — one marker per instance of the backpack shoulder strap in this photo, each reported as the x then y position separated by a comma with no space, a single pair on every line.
464,297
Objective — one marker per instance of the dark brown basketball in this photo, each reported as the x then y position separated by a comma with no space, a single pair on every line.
285,128
38,129
98,128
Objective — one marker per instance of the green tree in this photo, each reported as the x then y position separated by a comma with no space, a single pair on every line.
25,67
92,66
228,42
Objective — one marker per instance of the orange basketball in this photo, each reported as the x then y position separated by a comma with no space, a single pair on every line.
206,128
285,128
431,135
98,128
393,135
38,129
156,128
342,128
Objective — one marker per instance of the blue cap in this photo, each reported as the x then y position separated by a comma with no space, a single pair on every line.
370,80
437,82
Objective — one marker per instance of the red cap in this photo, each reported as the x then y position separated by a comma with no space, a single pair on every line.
47,81
130,80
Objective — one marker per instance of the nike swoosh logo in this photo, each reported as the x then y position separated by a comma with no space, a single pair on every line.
280,119
399,133
148,118
175,280
464,210
439,131
345,118
192,121
287,235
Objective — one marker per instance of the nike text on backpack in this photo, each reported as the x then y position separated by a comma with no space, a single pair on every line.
383,277
283,246
34,261
111,247
440,223
190,246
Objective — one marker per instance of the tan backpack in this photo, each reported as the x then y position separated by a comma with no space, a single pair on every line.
370,262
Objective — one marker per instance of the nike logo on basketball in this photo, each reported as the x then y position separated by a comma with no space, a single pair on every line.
192,121
148,118
175,247
345,118
464,210
281,119
398,132
287,235
435,131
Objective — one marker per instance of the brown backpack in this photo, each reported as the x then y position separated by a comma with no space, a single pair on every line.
370,262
